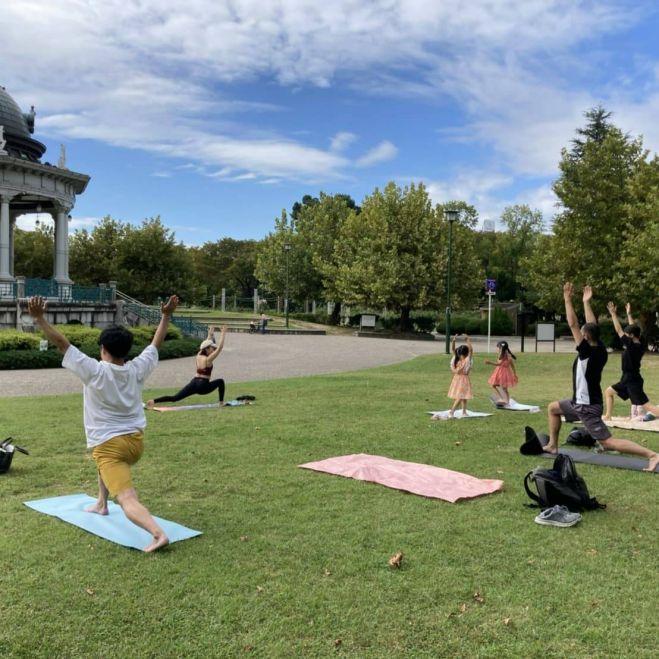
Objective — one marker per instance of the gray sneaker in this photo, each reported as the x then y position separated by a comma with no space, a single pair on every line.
558,516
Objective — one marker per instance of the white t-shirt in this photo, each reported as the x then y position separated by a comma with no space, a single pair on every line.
112,394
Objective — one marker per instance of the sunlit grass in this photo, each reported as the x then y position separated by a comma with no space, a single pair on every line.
294,563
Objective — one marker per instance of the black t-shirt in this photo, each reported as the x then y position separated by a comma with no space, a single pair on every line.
587,373
631,359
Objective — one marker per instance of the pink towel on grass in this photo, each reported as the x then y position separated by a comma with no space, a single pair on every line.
425,480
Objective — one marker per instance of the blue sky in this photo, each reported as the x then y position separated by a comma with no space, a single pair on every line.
215,116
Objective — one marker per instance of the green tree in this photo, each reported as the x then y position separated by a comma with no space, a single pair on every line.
96,256
228,264
34,252
394,252
156,264
145,261
503,253
318,226
594,189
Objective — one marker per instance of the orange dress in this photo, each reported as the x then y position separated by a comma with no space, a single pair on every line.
503,375
461,384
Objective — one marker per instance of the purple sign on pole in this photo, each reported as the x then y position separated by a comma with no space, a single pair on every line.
491,284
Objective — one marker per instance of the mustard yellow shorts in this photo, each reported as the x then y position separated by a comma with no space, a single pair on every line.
114,458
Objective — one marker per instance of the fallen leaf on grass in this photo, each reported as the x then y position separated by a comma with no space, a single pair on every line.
463,608
478,597
89,591
259,589
337,642
594,604
507,621
396,559
327,572
243,538
592,552
458,443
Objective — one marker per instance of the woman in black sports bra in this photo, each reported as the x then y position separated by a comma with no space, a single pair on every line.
201,384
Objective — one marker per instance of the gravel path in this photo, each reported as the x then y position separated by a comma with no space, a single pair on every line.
247,357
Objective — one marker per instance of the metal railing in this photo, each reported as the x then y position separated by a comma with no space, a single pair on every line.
8,289
152,316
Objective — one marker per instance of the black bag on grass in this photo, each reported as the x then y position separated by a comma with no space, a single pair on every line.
7,450
580,437
560,485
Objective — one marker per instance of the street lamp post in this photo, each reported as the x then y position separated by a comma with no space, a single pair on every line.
451,216
287,249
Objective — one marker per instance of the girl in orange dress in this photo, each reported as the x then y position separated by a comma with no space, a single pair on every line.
460,389
504,376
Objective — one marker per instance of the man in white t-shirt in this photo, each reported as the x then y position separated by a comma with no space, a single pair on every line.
113,413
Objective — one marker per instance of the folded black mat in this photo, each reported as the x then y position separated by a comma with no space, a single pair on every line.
605,459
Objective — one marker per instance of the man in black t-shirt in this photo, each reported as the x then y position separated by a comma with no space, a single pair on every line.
630,386
586,402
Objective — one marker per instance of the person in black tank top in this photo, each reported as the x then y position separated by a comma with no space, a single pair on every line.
201,384
586,402
630,386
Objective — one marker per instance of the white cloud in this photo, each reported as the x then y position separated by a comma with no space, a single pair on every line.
28,222
160,75
381,153
342,141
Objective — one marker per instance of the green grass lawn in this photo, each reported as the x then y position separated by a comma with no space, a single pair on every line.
293,563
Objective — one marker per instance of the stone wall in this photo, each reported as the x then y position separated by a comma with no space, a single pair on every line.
14,315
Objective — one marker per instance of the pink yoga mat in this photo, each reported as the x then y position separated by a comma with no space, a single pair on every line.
425,480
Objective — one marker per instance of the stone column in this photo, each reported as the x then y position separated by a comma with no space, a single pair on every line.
5,232
61,266
12,230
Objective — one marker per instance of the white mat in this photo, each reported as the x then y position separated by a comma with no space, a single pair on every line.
458,414
514,406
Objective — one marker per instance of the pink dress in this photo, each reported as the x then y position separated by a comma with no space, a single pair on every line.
503,375
461,384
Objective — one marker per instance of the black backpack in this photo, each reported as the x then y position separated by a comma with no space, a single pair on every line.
560,485
7,450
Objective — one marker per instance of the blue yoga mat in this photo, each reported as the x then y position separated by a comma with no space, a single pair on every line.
115,526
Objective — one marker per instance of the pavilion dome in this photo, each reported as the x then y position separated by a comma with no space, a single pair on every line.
18,127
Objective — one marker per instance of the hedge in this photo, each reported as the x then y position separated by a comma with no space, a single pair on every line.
52,358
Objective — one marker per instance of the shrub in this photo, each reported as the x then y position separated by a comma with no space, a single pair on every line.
15,340
501,323
52,358
22,359
424,322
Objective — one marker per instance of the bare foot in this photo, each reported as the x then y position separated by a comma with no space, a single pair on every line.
652,464
553,450
159,541
98,508
150,404
606,418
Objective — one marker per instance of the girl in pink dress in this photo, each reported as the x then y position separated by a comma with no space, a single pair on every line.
504,376
460,389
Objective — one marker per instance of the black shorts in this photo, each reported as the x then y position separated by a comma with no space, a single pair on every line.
631,390
589,415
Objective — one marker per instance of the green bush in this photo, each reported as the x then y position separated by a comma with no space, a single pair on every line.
424,321
78,334
462,323
501,323
15,340
319,317
52,358
23,359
